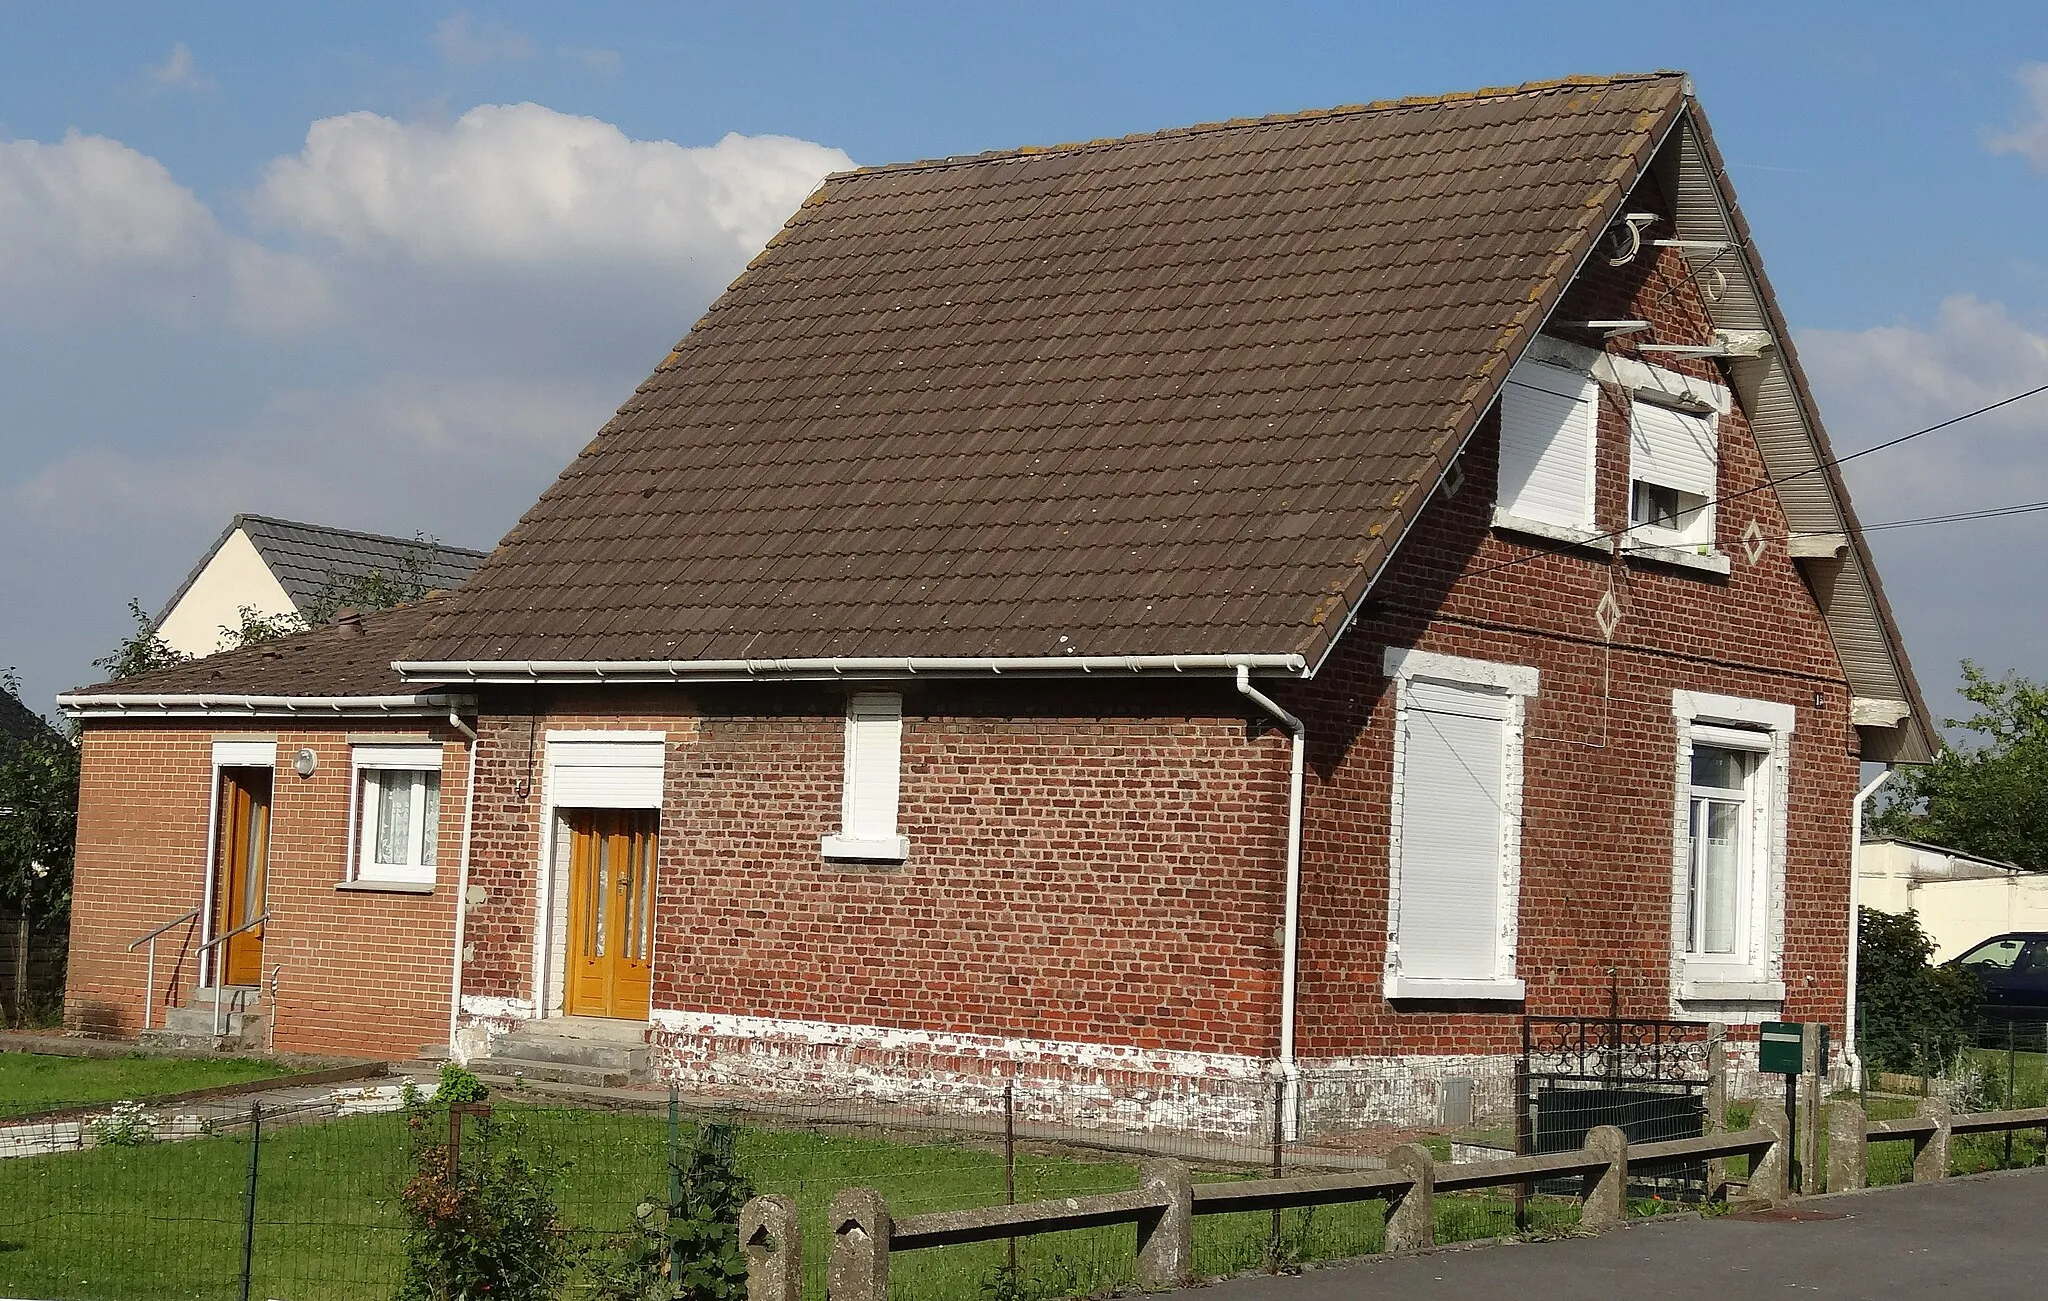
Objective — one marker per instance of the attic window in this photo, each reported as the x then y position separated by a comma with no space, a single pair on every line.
1548,420
1674,467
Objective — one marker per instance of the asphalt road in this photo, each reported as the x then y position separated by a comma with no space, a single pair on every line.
1979,1236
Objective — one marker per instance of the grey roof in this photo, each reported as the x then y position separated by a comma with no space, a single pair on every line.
307,557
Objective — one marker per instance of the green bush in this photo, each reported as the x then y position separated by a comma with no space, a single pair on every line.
482,1228
1910,1016
687,1249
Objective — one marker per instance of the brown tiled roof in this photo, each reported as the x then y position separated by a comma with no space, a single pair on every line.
328,661
1175,393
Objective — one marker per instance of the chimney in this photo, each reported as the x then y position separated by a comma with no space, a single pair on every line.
349,620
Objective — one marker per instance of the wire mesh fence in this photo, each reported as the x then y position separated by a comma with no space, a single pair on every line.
303,1200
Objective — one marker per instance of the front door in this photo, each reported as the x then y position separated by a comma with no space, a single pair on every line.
611,913
244,856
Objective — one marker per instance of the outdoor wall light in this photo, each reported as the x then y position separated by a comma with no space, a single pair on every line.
305,763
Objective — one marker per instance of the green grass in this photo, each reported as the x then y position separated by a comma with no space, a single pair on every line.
110,1224
38,1081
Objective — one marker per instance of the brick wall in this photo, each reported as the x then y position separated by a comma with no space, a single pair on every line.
362,974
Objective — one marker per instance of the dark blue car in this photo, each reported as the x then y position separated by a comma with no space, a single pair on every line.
2014,969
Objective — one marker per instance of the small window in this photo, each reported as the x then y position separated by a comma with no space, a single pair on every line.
871,781
1673,472
398,814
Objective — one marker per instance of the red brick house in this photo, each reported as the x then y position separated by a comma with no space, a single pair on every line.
1284,595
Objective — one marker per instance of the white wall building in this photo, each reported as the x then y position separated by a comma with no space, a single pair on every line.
1962,900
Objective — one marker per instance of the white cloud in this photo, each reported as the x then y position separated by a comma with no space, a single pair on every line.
523,184
87,205
1963,589
177,72
2030,138
466,43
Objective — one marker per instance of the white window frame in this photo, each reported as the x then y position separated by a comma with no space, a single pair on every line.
362,868
1698,537
1515,683
1749,985
864,834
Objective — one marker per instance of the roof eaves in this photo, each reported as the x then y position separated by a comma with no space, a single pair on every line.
1781,333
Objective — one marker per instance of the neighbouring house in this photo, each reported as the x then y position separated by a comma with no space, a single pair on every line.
1284,597
1961,899
274,567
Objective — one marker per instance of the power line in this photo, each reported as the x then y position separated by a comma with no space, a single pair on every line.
1993,512
1816,468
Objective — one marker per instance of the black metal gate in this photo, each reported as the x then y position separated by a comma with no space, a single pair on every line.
1649,1078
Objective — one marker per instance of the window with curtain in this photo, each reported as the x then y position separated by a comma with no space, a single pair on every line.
398,813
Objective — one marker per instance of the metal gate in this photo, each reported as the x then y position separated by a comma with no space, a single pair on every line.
1649,1078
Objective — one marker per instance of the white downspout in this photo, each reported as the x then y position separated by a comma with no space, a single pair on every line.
1849,1053
461,884
1291,926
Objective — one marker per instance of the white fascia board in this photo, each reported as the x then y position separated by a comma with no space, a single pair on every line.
160,705
885,667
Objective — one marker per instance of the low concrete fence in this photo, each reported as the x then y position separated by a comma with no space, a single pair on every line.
1165,1206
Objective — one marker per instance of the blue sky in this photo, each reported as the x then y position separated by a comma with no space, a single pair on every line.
318,261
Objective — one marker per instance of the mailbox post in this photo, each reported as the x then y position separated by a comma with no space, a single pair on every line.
1799,1052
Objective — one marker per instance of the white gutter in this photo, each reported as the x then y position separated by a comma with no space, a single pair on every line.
461,882
642,671
195,705
1849,1053
1291,925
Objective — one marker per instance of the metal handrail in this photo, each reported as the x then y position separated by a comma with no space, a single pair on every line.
223,938
149,980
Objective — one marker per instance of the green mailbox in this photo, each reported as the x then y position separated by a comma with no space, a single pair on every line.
1778,1047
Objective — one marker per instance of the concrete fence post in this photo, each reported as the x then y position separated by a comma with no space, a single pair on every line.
1930,1151
858,1269
774,1248
1770,1173
1603,1200
1715,1120
1411,1218
1166,1237
1848,1147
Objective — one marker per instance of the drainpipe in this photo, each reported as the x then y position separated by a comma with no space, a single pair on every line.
461,881
1849,1053
1291,927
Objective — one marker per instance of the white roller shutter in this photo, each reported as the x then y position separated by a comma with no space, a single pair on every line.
1452,832
1673,449
874,748
1548,418
605,774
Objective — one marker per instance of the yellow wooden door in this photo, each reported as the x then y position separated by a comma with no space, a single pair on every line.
611,913
244,863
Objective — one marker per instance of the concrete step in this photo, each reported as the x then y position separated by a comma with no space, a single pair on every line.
589,1029
516,1068
571,1052
178,1041
201,1020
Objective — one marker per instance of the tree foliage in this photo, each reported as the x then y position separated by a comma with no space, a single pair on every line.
38,828
142,651
1910,1015
1988,797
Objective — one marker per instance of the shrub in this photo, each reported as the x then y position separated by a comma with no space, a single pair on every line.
1910,1016
689,1248
129,1124
485,1228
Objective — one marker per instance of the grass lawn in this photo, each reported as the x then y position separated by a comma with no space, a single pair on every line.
39,1082
165,1221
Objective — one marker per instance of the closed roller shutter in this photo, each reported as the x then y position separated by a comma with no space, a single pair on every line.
1673,449
1452,832
605,774
1547,422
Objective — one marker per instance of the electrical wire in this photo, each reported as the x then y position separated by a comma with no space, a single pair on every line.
1816,468
1959,517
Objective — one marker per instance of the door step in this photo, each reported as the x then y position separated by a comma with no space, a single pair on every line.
571,1050
239,1025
